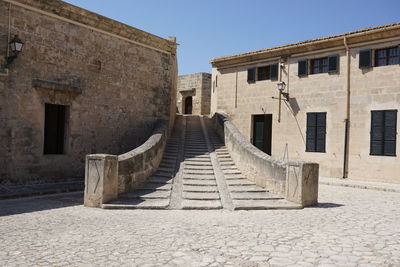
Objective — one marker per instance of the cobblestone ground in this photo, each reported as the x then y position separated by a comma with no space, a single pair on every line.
350,227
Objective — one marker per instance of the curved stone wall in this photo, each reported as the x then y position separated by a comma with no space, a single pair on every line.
136,165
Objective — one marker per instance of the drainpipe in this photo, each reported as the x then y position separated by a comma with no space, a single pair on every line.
347,119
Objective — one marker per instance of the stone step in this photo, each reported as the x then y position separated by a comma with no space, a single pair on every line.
146,194
156,186
163,174
229,168
253,195
200,176
199,182
205,177
206,188
188,204
239,182
191,160
196,171
223,156
160,179
231,172
227,163
138,204
264,204
197,163
198,167
192,156
246,188
168,169
201,195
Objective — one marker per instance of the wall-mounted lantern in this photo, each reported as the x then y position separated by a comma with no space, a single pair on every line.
16,45
281,88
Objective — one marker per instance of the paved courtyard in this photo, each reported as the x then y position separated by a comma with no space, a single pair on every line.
350,227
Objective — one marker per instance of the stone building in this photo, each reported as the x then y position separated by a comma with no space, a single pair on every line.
194,93
82,84
338,105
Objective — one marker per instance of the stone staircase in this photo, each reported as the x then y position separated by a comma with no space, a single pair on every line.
197,172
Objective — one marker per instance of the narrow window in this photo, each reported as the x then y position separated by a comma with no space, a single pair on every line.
263,73
387,56
316,132
216,80
54,129
302,68
319,65
251,75
383,132
365,60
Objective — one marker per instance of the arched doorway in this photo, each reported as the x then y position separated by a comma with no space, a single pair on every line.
188,105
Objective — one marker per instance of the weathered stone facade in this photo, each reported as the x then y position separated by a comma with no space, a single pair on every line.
350,93
115,80
197,87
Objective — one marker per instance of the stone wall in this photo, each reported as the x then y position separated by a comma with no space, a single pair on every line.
117,81
197,86
376,88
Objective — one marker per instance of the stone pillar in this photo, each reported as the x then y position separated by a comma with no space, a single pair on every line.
302,183
101,179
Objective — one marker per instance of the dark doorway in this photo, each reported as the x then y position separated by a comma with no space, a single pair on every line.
188,105
54,128
262,132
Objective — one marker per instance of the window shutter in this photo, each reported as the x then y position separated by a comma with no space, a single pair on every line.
398,52
365,59
377,120
311,133
389,146
320,132
333,63
273,74
302,68
251,75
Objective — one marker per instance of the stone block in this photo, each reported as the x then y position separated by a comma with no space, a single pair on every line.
101,179
302,183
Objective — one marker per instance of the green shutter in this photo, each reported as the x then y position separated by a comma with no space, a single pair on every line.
302,68
251,75
273,72
333,63
365,60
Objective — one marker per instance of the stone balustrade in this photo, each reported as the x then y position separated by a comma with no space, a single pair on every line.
296,181
106,176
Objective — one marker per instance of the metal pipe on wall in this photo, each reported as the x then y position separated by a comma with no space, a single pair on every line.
347,119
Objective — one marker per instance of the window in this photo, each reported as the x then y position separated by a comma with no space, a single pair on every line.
387,56
383,132
54,129
263,73
319,65
316,132
269,72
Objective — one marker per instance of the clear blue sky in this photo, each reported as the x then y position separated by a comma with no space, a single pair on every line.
212,28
